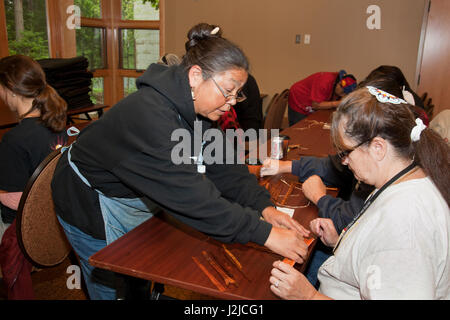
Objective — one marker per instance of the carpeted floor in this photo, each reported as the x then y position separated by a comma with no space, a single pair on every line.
50,284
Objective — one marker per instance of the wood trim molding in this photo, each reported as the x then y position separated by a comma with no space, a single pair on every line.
61,40
136,24
162,29
130,73
4,50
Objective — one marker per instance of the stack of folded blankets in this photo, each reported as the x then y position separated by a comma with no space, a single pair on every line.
71,79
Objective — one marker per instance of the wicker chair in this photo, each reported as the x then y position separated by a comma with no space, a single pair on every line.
39,234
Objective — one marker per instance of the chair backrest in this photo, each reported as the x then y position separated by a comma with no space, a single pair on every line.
276,110
268,118
39,233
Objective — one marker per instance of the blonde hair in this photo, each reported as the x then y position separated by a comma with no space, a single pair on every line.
169,59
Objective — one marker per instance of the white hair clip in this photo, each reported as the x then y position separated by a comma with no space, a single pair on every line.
215,30
384,97
408,96
417,130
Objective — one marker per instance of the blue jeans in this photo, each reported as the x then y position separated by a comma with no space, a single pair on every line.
320,254
120,215
99,283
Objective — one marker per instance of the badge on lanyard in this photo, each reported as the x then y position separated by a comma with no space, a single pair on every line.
201,168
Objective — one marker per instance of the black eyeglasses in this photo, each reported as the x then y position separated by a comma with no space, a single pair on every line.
239,96
345,153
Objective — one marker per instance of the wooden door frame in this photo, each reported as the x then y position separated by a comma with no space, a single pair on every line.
61,39
423,32
4,49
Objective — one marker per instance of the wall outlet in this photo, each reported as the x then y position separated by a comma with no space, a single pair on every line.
298,38
307,39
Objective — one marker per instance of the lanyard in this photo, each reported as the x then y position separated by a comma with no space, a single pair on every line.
372,198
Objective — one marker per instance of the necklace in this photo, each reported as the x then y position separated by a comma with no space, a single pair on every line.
372,198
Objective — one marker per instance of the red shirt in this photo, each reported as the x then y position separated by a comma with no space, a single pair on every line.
317,87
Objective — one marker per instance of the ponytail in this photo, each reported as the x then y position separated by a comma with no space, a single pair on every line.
432,153
53,109
25,77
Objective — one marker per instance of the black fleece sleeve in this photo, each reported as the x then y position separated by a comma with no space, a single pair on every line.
238,185
192,197
341,212
323,167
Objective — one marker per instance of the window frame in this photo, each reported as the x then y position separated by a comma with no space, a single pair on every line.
62,41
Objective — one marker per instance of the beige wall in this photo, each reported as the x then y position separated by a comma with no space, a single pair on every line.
266,30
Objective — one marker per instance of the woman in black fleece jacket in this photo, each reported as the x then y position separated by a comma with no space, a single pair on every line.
121,167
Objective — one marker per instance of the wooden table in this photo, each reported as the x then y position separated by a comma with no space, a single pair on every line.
311,136
161,250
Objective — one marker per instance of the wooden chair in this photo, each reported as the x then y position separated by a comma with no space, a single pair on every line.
269,107
276,110
39,233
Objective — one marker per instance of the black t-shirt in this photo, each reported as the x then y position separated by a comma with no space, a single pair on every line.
249,112
22,149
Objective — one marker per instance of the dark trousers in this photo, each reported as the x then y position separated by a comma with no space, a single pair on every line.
295,116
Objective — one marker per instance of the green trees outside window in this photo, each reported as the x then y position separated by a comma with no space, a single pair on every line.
26,22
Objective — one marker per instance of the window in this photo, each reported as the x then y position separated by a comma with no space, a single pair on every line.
139,48
119,38
26,24
139,40
97,91
89,8
140,10
129,86
91,44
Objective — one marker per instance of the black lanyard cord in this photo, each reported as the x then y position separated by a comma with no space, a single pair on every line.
372,198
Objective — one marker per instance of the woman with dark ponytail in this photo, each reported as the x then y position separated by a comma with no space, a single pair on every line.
42,115
42,120
103,185
397,247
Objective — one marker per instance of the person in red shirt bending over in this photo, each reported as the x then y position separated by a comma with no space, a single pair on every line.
321,90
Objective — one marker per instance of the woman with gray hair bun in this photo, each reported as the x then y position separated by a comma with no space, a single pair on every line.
397,246
121,169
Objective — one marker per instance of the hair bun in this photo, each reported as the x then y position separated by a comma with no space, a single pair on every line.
202,31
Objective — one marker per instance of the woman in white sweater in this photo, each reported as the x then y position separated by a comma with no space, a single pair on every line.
398,246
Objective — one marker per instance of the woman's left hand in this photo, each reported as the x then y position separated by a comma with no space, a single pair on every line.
282,220
288,283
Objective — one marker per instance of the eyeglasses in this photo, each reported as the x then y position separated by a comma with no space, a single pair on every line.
345,153
239,96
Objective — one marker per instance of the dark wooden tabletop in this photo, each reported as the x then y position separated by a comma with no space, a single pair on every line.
311,136
162,249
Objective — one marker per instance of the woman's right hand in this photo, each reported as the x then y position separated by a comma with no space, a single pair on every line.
271,167
287,243
325,230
